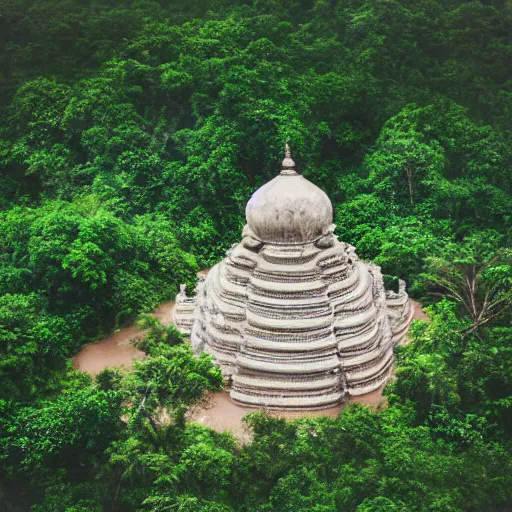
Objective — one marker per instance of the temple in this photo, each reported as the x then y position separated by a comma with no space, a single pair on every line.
292,316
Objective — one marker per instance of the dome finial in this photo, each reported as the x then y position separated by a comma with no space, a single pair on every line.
288,165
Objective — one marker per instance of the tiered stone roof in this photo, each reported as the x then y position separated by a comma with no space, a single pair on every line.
292,316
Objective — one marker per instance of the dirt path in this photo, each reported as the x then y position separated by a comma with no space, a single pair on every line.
117,349
419,314
219,411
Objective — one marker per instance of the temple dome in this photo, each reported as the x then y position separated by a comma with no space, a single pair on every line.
289,208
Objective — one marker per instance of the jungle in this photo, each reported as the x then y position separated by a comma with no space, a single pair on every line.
133,132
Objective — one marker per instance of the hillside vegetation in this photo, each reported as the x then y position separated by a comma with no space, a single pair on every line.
132,134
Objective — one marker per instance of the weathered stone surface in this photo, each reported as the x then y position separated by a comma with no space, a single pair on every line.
292,316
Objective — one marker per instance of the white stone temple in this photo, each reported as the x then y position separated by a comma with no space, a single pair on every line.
292,316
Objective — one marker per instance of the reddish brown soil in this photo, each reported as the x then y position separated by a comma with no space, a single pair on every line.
419,314
113,351
221,413
117,350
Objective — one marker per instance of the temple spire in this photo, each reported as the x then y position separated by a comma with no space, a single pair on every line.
288,165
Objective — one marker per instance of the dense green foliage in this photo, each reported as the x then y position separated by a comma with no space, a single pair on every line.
132,133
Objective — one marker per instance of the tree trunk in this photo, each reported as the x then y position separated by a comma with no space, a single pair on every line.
409,181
